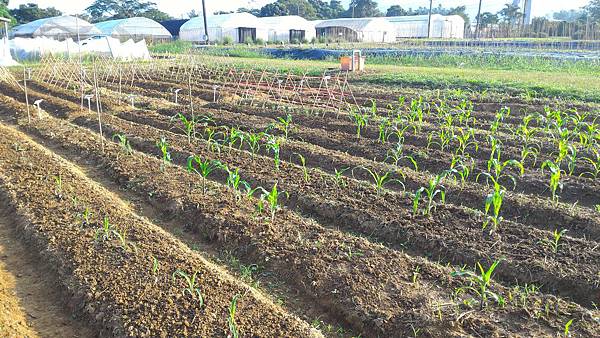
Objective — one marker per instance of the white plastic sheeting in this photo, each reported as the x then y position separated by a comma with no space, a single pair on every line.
238,26
446,27
359,29
286,28
59,27
136,28
27,49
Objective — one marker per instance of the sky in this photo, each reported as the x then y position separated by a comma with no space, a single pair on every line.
179,8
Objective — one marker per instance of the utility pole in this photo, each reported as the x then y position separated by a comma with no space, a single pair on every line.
205,24
478,21
524,21
429,21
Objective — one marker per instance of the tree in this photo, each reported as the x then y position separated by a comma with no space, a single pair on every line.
593,10
31,12
510,14
101,10
290,7
488,19
572,15
363,9
5,13
192,14
396,10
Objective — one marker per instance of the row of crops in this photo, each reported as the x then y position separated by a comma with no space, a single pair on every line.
392,214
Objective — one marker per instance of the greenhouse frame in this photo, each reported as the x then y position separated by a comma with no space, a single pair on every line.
240,27
291,28
136,28
442,26
357,30
58,28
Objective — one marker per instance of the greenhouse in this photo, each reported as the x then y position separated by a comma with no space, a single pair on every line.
446,27
290,28
239,27
357,30
58,28
136,28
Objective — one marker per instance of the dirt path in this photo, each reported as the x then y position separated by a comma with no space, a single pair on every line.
29,303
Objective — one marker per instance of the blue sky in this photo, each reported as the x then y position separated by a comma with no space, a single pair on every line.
178,8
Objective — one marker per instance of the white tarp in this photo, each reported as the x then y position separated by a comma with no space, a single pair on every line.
25,49
6,59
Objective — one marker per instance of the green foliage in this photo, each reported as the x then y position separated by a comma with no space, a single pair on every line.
175,47
31,12
102,10
233,329
479,283
190,285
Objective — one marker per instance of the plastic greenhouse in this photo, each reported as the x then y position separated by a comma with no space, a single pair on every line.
447,27
357,30
59,28
136,28
240,27
290,28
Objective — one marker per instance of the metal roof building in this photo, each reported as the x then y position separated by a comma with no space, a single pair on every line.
59,28
240,27
136,28
357,30
291,28
442,26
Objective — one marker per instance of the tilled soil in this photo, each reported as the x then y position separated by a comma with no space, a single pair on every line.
364,259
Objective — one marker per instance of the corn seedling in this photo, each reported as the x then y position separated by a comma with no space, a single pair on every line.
86,217
202,168
272,199
253,140
567,328
555,178
105,232
235,135
58,186
190,285
304,168
163,146
360,121
595,164
554,243
497,170
430,192
338,177
494,199
396,154
380,179
233,329
234,181
122,237
154,265
283,125
479,283
274,144
188,125
384,130
123,143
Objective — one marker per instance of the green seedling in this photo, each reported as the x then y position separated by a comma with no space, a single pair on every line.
163,146
479,283
190,285
202,168
554,243
233,329
555,178
304,168
123,144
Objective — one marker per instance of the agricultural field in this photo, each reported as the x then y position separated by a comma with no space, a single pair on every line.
207,196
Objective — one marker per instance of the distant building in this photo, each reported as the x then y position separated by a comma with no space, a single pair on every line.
136,28
239,27
58,28
288,28
445,27
357,30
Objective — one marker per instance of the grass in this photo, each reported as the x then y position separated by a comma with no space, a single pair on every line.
580,85
171,47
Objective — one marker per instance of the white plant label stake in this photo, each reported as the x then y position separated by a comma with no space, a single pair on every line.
176,91
39,109
89,100
215,87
